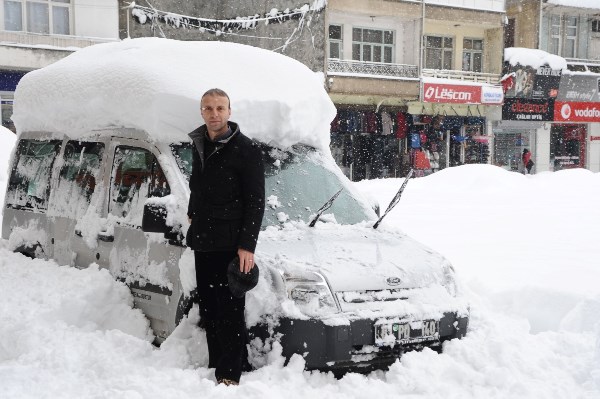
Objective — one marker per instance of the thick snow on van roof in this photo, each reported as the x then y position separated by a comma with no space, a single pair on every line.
156,84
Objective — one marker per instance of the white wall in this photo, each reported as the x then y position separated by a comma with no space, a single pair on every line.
541,152
593,148
96,18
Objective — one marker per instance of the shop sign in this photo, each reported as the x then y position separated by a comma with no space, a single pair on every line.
581,88
492,95
594,138
522,109
528,82
447,93
576,111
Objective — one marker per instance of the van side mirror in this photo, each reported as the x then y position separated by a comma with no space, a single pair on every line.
154,219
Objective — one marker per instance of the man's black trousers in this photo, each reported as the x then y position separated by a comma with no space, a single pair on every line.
221,314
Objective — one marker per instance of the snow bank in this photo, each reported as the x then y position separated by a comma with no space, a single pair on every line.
525,247
533,57
156,84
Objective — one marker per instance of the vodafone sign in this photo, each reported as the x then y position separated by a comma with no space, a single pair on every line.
576,112
461,94
445,93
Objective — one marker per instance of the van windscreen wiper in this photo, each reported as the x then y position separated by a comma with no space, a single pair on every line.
325,206
396,198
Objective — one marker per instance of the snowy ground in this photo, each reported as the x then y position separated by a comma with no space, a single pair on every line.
525,248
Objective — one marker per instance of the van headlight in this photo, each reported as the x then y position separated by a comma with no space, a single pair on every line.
310,292
449,279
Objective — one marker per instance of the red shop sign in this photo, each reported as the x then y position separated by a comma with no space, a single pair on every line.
576,112
446,93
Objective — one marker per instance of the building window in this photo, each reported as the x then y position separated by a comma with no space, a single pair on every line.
372,45
335,41
38,16
570,49
563,35
438,52
555,34
596,25
472,55
6,110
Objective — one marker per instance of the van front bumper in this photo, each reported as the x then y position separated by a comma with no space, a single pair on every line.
342,348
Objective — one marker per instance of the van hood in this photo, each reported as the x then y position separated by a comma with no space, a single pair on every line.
351,257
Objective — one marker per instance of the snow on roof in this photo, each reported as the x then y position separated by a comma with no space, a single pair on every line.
576,3
156,84
533,57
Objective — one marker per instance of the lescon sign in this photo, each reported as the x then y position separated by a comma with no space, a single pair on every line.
457,94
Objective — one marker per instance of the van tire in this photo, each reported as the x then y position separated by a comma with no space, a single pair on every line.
29,251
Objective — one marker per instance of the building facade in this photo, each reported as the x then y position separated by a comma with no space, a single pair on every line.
415,83
570,137
36,33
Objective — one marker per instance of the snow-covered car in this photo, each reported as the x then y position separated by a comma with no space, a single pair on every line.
100,176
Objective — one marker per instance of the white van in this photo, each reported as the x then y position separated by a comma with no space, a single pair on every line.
101,182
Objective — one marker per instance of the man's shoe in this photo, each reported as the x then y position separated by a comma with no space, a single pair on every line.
227,382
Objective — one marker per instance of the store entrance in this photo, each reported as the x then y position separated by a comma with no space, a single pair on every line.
567,146
508,149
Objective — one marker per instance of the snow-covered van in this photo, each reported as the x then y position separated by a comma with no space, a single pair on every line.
99,177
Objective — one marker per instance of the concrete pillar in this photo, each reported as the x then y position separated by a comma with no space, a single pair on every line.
593,147
541,152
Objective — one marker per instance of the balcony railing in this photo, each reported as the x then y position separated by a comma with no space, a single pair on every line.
58,42
372,69
403,71
479,77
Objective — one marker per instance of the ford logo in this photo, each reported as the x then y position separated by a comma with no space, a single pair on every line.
392,280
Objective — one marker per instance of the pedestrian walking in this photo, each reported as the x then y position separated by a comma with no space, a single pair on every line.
227,200
527,162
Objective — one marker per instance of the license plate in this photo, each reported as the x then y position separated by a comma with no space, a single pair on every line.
407,332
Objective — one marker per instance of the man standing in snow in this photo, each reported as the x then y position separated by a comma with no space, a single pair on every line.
227,201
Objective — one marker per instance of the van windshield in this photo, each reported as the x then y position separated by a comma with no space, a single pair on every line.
297,183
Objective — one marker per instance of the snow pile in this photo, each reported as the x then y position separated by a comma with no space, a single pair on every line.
156,84
524,247
533,57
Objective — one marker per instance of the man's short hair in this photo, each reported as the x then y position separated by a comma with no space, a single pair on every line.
216,92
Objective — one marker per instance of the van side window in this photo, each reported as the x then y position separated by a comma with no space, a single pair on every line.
136,175
77,178
29,184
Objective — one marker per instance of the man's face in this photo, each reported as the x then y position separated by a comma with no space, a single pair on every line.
215,112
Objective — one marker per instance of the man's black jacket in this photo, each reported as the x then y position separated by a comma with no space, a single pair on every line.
227,193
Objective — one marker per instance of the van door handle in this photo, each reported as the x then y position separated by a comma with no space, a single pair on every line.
104,236
78,233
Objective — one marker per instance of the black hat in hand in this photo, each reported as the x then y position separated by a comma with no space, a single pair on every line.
240,282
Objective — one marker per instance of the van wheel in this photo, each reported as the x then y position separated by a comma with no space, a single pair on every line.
29,251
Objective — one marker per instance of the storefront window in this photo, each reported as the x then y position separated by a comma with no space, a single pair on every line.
508,148
567,146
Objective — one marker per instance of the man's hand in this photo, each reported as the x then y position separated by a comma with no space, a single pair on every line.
246,260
